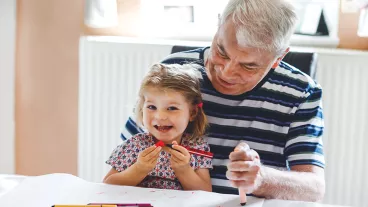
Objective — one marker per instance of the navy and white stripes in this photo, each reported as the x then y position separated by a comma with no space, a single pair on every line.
281,118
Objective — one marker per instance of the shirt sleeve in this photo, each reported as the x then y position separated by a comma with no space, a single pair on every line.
202,161
131,128
304,145
125,155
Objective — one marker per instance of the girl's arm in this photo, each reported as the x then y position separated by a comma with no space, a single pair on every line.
133,175
192,179
189,178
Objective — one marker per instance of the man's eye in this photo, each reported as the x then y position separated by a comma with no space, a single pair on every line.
249,68
152,107
172,108
222,54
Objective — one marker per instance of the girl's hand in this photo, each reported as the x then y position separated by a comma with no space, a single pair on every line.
147,159
180,157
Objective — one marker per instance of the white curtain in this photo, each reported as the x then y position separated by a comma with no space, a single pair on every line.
362,3
363,19
101,13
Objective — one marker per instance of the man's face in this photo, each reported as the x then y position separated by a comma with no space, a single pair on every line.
232,69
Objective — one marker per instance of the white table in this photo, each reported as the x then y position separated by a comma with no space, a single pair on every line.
47,190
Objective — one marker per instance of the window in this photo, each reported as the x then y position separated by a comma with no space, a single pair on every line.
310,11
198,19
181,19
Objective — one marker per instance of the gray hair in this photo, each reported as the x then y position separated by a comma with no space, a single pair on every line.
263,24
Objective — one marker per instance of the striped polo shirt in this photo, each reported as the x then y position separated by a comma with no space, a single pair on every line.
281,118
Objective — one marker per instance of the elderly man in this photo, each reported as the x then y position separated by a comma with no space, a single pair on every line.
265,116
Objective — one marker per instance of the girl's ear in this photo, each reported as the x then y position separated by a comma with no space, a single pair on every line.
193,113
142,118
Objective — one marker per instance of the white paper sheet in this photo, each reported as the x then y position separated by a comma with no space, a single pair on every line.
8,182
48,190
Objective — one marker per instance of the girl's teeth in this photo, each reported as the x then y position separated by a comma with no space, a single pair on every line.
163,128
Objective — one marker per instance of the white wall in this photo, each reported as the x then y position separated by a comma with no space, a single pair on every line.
7,78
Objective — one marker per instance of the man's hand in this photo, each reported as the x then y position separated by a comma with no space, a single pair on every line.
147,159
244,167
180,157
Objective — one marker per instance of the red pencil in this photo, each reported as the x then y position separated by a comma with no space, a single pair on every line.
190,150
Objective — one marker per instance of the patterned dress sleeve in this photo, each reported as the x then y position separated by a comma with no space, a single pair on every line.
201,161
126,154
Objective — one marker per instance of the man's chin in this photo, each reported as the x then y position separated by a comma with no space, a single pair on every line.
231,91
226,90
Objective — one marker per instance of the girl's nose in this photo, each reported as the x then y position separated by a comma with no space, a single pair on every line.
161,115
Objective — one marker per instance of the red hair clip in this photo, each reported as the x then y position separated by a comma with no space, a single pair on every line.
200,105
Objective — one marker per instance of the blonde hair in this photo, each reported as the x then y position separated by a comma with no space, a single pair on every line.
179,78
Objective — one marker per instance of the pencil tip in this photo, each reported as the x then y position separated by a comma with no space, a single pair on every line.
243,204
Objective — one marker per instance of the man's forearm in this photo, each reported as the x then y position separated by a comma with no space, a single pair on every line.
131,177
290,185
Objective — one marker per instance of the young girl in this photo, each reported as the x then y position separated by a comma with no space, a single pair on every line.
170,108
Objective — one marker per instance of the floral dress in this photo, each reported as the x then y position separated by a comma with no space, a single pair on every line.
162,176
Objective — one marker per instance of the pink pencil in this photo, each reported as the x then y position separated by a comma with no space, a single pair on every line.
243,197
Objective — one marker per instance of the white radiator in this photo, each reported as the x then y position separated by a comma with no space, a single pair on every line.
109,77
110,73
343,76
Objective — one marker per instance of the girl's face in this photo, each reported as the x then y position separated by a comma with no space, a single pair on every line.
166,114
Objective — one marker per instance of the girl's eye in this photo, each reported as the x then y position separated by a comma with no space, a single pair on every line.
152,107
172,108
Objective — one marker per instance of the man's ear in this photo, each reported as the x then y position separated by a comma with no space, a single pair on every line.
218,20
278,60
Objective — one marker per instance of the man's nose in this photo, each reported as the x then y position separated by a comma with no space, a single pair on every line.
228,69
